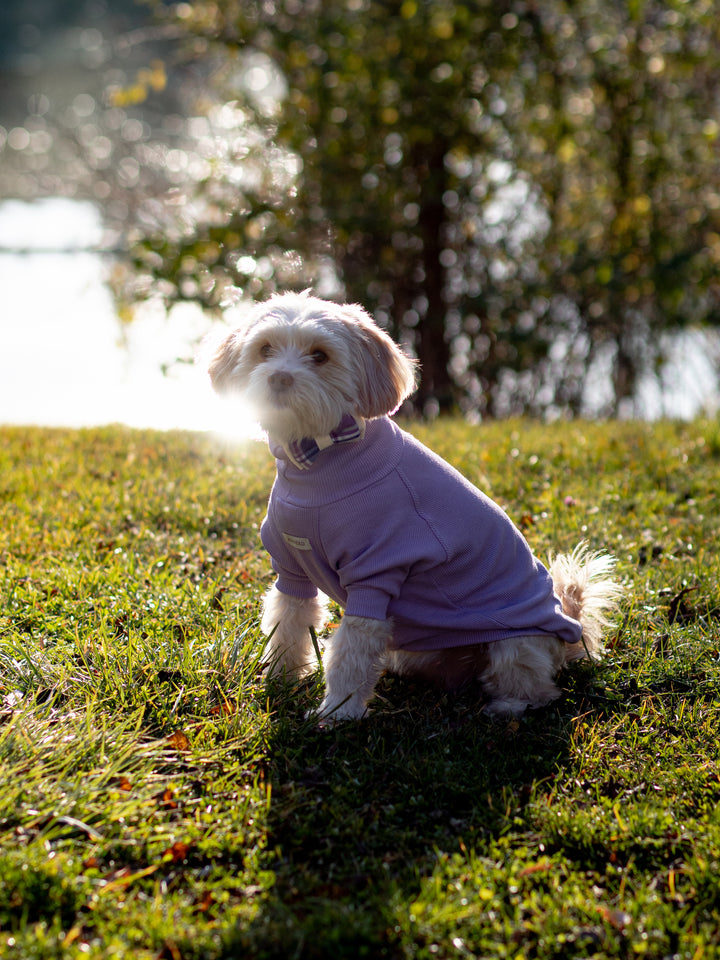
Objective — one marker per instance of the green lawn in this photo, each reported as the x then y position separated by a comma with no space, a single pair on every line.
157,800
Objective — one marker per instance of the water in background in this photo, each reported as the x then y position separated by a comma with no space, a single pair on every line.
65,361
64,358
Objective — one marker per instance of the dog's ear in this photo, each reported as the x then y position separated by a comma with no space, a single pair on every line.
387,375
223,366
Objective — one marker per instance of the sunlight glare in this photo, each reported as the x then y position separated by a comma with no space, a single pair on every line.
65,360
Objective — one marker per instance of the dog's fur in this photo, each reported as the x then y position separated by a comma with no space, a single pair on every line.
302,364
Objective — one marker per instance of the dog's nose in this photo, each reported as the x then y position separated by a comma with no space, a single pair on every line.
281,380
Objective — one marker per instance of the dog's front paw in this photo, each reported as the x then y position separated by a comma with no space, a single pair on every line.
331,711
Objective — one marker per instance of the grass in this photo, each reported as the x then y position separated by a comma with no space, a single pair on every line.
158,800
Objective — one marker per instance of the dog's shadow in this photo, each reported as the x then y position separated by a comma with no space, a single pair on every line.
361,811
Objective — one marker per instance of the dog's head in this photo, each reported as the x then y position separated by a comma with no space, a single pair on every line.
303,363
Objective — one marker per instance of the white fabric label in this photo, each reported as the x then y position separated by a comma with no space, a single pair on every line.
298,543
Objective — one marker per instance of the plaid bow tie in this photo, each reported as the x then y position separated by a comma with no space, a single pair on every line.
304,452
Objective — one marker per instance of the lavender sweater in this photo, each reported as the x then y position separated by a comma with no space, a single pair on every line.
388,529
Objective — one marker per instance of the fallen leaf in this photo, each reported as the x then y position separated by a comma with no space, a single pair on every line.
178,741
124,877
616,918
224,708
166,799
177,852
542,866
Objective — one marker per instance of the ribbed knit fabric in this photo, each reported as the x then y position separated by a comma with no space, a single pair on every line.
388,529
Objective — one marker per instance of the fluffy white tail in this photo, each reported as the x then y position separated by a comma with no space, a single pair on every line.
588,591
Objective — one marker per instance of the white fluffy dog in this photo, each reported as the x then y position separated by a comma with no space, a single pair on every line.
433,577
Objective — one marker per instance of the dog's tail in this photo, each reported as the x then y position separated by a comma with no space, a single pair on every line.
589,593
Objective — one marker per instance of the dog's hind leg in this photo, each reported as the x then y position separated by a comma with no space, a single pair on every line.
353,661
520,673
514,674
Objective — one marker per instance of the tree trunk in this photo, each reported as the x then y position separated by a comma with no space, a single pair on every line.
436,386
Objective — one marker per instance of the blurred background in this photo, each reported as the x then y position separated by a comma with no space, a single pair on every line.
527,195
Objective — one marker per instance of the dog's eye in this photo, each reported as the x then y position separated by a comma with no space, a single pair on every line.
266,351
318,357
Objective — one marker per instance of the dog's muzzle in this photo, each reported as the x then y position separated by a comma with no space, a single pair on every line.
280,382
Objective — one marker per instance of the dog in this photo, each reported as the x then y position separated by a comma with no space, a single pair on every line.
434,578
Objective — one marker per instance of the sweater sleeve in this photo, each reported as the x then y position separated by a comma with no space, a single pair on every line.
291,578
371,597
294,583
